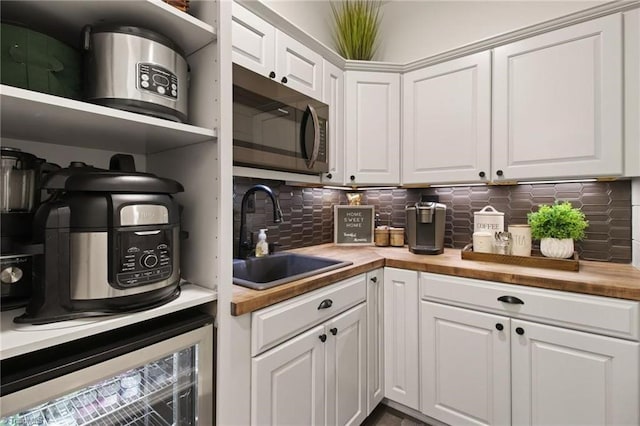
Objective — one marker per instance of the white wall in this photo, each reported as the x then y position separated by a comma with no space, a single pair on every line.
416,29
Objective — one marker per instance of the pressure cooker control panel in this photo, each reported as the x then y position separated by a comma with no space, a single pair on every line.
144,257
158,80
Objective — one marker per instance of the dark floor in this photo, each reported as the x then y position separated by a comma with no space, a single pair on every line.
387,416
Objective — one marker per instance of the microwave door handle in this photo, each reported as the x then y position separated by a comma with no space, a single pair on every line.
316,136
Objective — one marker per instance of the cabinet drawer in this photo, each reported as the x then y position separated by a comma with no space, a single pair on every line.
595,314
275,324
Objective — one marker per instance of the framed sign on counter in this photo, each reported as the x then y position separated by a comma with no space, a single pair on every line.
353,225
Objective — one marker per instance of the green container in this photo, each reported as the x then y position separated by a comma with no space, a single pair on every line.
35,61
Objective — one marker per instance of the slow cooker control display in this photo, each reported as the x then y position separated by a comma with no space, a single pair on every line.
156,79
144,257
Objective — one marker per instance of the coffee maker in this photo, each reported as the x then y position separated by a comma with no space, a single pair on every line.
425,226
20,182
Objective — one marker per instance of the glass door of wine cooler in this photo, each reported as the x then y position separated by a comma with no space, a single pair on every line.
162,384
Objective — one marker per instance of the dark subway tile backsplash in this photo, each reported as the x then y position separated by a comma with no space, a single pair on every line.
308,212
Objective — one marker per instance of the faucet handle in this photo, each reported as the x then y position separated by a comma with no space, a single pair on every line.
273,246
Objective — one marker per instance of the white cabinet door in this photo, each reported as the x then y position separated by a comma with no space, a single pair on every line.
346,367
557,103
401,363
252,41
333,95
372,127
632,92
465,366
375,338
297,66
566,377
288,382
447,122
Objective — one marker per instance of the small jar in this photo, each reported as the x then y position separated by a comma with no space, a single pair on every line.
396,237
482,242
381,236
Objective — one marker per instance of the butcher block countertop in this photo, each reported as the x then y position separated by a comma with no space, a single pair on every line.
596,278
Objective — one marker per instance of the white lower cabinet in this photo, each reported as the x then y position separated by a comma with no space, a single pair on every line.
375,338
401,360
288,382
465,365
486,368
562,377
319,376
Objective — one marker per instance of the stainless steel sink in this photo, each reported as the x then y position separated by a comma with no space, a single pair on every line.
276,269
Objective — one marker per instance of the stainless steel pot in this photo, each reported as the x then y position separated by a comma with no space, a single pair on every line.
135,69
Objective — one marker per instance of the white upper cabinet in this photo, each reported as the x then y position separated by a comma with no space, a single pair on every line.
333,95
446,124
557,103
253,41
372,128
297,66
262,48
632,92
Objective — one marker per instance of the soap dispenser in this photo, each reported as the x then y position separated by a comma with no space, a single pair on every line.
262,248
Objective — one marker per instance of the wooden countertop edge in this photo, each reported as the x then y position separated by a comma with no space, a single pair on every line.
594,278
546,282
248,301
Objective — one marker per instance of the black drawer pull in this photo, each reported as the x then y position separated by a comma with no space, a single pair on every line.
374,279
272,74
511,299
499,327
520,331
325,304
323,338
334,331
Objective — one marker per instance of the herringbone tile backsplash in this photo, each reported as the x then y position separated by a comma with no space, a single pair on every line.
308,212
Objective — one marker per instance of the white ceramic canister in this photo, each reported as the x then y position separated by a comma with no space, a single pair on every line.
483,242
520,240
488,220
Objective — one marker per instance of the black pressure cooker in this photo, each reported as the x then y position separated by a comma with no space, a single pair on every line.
111,243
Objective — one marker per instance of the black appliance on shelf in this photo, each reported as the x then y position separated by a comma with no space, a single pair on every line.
20,183
425,225
111,243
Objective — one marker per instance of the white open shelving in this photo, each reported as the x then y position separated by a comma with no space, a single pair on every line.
30,115
18,339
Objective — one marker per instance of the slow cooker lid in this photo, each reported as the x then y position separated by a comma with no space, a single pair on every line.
80,177
139,32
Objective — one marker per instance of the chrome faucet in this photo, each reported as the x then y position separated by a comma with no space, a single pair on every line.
244,242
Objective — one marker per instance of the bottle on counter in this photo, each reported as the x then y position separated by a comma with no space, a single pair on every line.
262,248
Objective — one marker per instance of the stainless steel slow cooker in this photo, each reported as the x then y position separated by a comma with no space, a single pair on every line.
135,69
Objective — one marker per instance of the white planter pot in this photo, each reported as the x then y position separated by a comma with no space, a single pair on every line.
553,247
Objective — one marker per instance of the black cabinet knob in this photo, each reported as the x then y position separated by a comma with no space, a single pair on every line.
482,174
374,279
520,331
352,177
499,172
323,338
329,176
272,74
325,304
334,331
499,327
284,80
511,299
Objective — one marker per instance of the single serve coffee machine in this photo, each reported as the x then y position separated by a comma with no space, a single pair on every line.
425,226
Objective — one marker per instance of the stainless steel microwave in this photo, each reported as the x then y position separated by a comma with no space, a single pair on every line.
276,127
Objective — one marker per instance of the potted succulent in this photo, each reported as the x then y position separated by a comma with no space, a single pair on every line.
557,226
356,28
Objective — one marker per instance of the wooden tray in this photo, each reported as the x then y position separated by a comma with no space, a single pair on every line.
531,261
